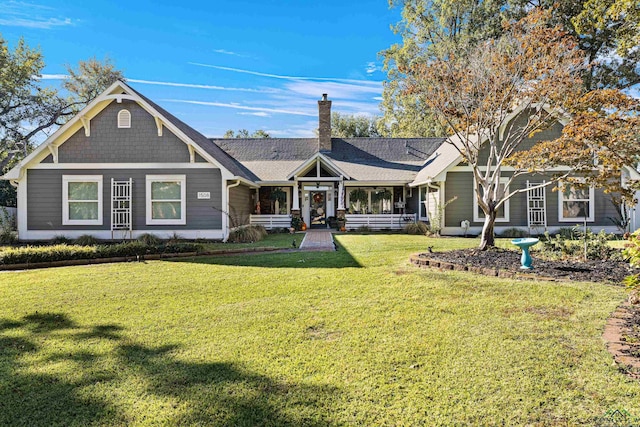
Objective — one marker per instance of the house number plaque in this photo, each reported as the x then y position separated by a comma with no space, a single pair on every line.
204,195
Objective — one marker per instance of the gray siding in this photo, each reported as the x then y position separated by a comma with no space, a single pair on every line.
241,205
461,184
553,132
109,144
44,198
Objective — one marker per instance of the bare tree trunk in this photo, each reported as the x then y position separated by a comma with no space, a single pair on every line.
487,238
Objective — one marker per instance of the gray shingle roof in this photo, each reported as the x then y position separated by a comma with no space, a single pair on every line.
363,159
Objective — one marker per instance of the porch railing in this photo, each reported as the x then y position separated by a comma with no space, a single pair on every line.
271,221
379,221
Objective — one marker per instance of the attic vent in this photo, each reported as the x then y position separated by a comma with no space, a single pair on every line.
124,119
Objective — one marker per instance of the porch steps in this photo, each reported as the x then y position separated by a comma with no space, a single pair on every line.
317,240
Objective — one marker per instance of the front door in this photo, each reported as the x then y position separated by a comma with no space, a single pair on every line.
318,209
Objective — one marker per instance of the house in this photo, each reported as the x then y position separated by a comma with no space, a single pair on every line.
124,166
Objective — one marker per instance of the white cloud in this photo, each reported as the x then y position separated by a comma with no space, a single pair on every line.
231,53
201,86
243,107
54,77
31,15
258,114
372,67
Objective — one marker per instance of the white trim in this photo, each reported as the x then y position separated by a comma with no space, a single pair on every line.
592,207
182,179
320,158
106,234
124,119
480,218
66,179
200,165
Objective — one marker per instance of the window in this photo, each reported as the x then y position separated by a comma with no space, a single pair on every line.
124,119
503,211
166,199
81,200
576,203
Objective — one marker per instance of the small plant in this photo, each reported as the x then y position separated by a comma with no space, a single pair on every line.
8,235
435,223
514,233
296,223
175,238
149,239
86,240
632,252
587,245
363,229
61,240
247,234
416,228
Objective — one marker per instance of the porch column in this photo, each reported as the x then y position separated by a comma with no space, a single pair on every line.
295,205
340,211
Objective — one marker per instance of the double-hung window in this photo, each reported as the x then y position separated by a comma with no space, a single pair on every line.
166,199
81,200
576,203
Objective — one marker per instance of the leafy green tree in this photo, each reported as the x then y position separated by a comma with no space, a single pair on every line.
243,133
29,110
354,126
607,31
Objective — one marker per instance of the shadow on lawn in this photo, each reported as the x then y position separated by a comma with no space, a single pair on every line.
295,259
41,383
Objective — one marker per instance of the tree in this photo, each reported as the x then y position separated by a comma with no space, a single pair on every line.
607,31
28,109
353,126
532,71
243,133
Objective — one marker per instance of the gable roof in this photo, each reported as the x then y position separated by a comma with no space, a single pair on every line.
190,136
362,159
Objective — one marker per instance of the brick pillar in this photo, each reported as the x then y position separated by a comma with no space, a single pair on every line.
324,124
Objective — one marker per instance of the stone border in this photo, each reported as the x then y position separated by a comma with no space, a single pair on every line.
140,258
424,261
619,348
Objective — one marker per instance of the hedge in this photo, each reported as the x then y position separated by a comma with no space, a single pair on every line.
63,252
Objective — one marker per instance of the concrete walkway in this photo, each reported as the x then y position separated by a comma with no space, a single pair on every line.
317,240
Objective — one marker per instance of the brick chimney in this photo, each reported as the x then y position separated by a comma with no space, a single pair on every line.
324,124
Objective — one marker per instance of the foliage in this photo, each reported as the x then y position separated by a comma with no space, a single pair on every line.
416,228
278,194
8,233
149,239
379,195
514,232
359,195
243,133
435,222
632,253
247,234
296,223
183,343
60,239
606,31
86,240
354,126
28,109
65,252
8,194
572,245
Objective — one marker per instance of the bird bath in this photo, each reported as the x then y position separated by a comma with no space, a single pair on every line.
525,244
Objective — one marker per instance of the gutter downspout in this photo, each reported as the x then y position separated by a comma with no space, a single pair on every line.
227,228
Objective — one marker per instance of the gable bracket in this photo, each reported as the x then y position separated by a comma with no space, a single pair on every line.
54,152
158,124
86,123
192,154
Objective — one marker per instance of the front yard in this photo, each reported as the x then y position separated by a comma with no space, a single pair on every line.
358,336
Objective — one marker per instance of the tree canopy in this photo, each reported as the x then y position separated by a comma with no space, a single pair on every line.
354,126
243,133
606,31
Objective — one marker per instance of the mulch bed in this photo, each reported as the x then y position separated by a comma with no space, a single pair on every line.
506,263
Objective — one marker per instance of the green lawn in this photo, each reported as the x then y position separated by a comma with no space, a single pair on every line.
355,337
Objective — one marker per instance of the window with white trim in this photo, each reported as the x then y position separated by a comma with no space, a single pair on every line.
166,199
124,119
81,199
502,215
575,203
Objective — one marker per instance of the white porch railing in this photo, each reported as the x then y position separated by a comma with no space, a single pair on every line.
271,221
379,221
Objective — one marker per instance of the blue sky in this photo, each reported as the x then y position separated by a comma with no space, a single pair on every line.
221,65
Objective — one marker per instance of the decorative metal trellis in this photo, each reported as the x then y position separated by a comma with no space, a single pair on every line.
121,215
536,205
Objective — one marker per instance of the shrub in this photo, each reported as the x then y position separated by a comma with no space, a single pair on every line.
632,252
61,240
149,239
247,234
416,228
363,229
296,223
86,240
514,233
597,247
8,235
